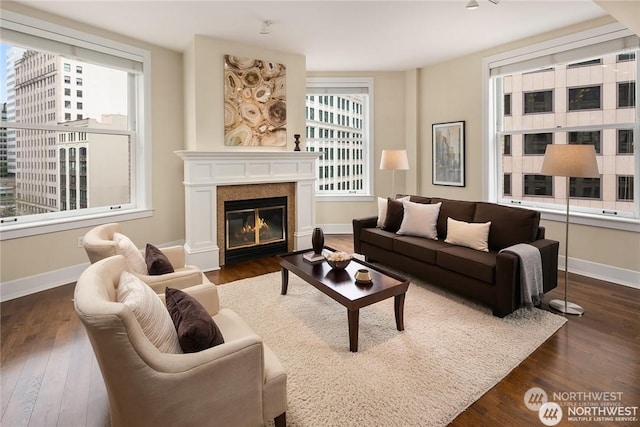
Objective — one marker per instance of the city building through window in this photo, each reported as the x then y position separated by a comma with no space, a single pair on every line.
341,132
67,133
587,98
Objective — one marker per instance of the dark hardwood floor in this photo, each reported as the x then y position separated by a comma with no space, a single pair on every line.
49,375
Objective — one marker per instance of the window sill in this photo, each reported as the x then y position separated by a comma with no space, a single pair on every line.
52,226
344,198
615,223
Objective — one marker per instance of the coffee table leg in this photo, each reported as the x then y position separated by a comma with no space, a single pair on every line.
399,310
354,319
285,280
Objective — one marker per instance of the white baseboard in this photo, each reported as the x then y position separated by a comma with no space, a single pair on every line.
336,228
40,282
617,275
49,280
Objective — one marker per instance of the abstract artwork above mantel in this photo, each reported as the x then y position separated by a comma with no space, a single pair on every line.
255,102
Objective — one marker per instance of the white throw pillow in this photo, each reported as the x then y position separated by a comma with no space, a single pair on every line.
382,209
126,248
150,312
420,219
470,234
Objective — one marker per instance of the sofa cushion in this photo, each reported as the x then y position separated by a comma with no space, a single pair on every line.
395,213
157,262
509,225
196,328
456,209
473,235
378,237
469,262
382,210
418,248
420,219
151,314
419,199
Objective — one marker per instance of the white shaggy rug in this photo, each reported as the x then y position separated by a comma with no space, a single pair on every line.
450,353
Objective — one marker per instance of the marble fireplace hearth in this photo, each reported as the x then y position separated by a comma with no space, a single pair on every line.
210,178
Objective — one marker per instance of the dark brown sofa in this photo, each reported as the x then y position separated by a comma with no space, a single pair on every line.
491,278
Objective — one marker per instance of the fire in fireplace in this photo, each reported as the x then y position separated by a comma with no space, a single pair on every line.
255,228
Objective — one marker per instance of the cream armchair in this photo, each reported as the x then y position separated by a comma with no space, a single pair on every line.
238,383
98,244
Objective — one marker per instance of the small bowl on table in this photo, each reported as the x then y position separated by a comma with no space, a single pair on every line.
338,260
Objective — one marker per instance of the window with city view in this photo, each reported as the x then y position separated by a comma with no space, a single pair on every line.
338,126
67,139
589,100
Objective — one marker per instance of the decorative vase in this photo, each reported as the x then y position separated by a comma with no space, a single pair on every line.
317,240
297,142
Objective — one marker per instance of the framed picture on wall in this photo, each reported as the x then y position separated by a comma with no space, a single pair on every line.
448,153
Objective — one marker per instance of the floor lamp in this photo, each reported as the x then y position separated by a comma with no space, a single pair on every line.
394,160
570,161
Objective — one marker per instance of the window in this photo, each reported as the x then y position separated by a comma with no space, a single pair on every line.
79,93
590,137
625,187
584,188
344,135
594,87
506,184
584,98
79,82
507,104
538,185
585,63
58,157
538,102
536,143
625,141
626,94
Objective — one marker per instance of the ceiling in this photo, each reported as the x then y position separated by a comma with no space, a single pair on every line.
334,35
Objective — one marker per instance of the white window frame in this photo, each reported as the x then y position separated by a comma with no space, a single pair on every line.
349,82
491,183
140,125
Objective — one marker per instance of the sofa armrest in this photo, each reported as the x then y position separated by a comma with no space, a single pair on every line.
507,278
184,278
549,254
358,225
229,375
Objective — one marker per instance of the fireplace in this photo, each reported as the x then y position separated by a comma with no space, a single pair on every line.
255,228
212,177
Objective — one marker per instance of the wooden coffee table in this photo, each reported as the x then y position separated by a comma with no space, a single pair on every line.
341,286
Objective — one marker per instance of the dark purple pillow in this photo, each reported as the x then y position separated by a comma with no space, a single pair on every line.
157,262
395,213
195,327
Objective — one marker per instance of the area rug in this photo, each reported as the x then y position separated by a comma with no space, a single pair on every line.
451,352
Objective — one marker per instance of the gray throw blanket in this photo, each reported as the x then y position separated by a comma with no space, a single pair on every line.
531,290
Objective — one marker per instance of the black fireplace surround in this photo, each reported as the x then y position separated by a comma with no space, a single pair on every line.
255,228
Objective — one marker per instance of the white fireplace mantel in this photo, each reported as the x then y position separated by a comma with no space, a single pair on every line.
204,171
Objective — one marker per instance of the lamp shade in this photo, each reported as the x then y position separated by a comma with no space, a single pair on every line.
572,160
394,160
